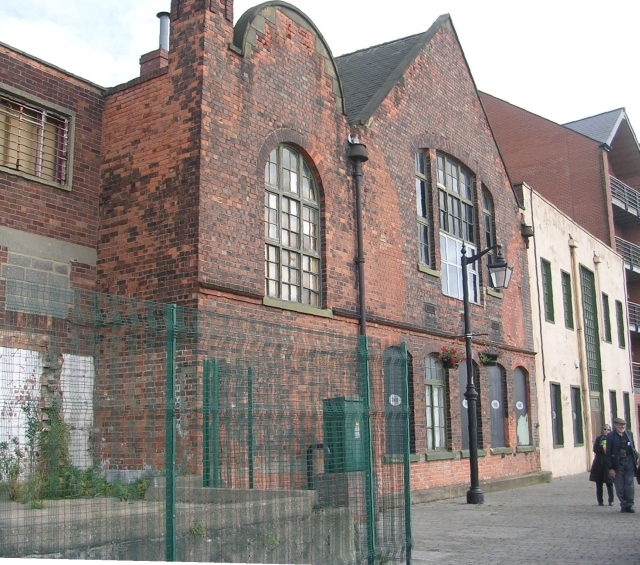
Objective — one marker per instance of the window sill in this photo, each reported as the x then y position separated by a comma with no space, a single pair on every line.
494,293
502,451
439,455
34,178
413,458
296,307
464,454
428,270
525,448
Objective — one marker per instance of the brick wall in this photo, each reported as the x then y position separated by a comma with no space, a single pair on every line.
183,193
557,162
68,216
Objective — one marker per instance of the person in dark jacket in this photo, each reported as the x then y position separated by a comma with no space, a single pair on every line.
598,473
621,461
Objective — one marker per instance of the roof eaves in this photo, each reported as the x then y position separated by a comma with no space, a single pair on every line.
371,106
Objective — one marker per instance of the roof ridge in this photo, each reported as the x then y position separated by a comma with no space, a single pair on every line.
621,109
380,44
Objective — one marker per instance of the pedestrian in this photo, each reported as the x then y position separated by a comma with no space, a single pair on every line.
599,473
621,461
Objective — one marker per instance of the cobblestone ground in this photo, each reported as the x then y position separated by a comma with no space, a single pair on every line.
553,523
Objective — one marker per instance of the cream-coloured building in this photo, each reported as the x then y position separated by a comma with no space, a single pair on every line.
579,306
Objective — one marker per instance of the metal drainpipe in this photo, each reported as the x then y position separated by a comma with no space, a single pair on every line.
358,154
582,349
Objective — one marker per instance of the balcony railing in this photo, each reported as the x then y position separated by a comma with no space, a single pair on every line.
624,196
630,253
634,317
635,372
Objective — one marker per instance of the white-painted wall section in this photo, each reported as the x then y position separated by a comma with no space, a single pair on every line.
561,351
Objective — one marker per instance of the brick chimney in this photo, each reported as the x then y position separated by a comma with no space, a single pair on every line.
159,58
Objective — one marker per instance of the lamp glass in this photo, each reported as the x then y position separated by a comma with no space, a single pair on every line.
500,274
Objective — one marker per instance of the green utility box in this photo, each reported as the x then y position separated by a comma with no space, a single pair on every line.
343,428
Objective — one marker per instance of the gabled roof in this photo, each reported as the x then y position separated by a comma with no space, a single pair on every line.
602,127
369,75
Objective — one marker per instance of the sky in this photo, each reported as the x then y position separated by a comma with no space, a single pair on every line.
563,60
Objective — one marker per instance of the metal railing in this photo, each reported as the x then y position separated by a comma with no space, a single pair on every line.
630,253
625,196
635,372
634,317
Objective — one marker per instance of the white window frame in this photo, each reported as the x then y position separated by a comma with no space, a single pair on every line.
451,269
452,239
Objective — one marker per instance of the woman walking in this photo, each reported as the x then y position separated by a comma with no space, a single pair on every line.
598,472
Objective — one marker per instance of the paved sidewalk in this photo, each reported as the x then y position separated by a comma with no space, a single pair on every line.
547,524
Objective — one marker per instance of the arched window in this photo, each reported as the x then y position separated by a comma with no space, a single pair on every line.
498,401
521,396
292,229
396,402
424,209
436,405
464,415
457,225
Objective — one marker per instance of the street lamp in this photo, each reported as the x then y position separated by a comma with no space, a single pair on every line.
500,274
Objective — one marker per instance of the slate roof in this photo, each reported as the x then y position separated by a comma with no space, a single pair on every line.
601,128
369,75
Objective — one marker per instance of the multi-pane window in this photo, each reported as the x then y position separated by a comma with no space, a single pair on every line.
547,290
556,415
576,408
434,379
33,140
457,225
455,198
488,220
620,324
606,318
292,229
424,212
567,300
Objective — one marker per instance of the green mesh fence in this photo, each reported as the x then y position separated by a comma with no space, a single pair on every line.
143,431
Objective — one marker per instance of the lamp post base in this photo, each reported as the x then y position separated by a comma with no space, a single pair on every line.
475,496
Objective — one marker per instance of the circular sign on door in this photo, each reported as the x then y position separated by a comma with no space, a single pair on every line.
495,404
395,400
519,405
465,403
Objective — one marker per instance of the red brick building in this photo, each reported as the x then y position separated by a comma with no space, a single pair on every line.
226,186
589,169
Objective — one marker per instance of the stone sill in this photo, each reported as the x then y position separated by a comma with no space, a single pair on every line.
440,455
464,454
297,307
525,448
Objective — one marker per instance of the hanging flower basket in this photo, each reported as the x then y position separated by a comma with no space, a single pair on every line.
489,356
449,357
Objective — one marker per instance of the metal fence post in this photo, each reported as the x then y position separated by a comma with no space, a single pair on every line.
407,454
206,425
215,430
250,425
363,354
170,436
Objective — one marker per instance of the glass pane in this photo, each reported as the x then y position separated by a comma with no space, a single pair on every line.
421,197
465,185
308,188
420,163
440,168
425,255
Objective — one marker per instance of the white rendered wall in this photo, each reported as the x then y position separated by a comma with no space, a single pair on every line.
560,351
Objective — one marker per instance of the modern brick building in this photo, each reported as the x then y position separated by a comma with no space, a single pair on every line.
590,170
226,185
